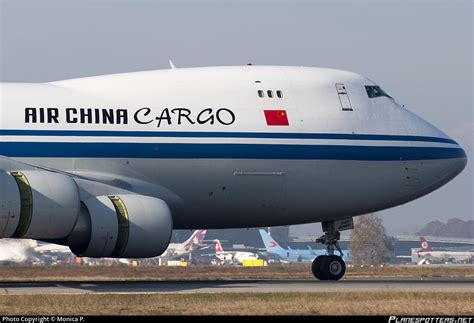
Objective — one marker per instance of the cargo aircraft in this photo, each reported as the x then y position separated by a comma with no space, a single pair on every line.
110,165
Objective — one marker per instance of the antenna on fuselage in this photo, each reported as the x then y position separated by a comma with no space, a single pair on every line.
172,65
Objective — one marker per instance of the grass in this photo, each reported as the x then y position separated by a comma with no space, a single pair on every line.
155,273
332,303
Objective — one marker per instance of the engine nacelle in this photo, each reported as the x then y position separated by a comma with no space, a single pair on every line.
37,204
121,226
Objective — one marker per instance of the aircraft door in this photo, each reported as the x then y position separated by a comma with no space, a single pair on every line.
343,97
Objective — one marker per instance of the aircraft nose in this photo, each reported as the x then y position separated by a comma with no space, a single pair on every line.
457,160
445,167
458,164
443,158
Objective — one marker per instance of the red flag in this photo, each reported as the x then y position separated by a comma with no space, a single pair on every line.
276,117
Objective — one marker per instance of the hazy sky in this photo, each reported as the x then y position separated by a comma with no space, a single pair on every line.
420,52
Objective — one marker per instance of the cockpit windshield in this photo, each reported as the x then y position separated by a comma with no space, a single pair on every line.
374,91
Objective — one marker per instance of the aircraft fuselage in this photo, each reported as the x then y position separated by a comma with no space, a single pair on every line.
230,147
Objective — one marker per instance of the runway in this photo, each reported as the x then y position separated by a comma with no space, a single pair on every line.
237,286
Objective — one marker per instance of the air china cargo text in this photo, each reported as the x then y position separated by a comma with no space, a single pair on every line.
141,116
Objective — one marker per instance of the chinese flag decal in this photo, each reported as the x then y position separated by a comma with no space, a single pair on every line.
276,117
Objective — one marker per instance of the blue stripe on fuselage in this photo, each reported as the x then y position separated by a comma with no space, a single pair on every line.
176,134
234,151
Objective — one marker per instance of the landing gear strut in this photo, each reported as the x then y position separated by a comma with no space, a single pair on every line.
331,266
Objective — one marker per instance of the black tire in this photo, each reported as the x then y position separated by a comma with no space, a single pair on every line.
333,267
316,267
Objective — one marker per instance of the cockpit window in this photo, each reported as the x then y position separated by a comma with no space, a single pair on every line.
374,91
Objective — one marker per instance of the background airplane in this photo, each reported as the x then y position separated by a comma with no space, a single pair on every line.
428,256
232,256
194,242
273,249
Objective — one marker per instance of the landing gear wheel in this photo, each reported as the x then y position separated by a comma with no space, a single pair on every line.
333,267
316,267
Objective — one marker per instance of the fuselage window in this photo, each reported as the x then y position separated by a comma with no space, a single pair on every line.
374,91
261,93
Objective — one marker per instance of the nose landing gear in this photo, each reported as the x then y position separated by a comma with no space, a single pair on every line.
331,266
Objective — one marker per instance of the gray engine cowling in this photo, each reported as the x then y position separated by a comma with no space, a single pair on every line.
37,204
121,226
44,205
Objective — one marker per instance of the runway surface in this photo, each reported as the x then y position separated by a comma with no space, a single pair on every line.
241,286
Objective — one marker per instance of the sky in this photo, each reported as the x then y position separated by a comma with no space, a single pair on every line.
420,52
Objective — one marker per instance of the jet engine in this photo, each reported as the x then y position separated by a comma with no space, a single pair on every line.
44,205
121,226
37,204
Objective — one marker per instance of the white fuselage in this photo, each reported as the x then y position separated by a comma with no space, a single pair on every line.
198,139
